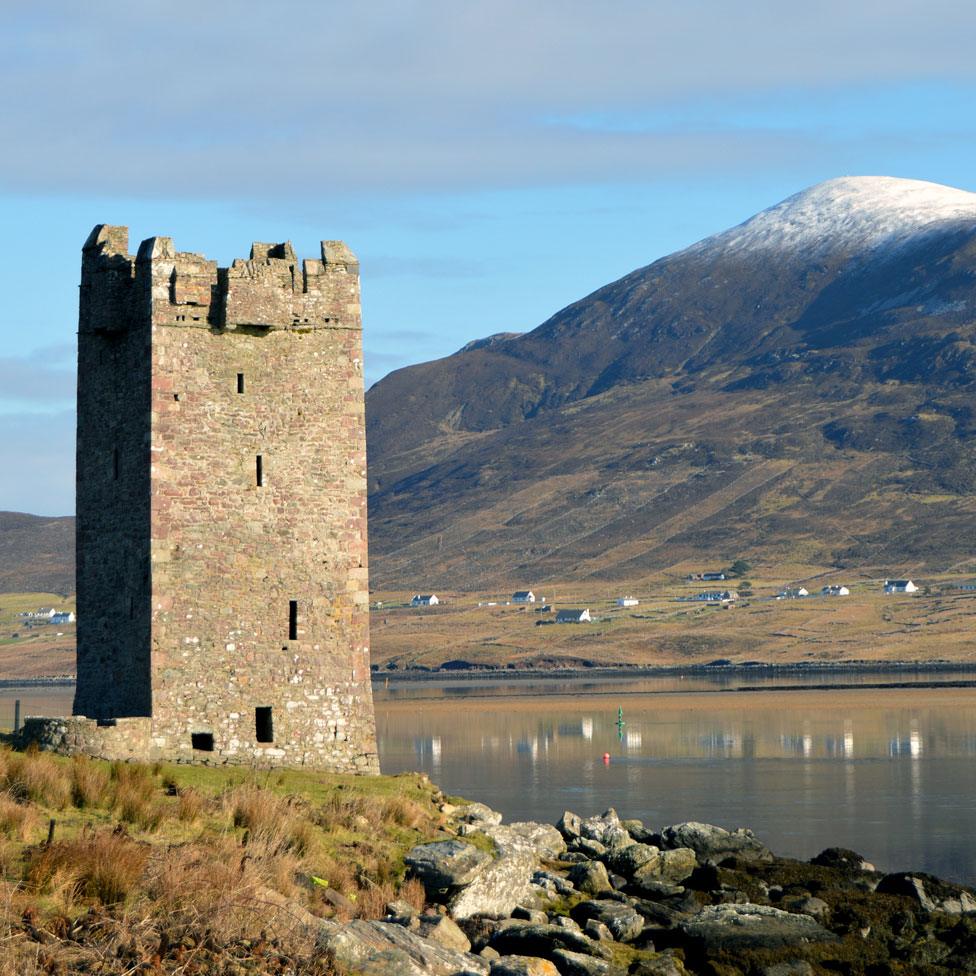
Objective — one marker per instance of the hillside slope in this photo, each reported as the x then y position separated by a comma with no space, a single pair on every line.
37,554
798,386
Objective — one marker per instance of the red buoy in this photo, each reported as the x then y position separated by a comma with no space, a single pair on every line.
606,759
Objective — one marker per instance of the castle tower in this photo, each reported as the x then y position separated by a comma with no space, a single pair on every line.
221,495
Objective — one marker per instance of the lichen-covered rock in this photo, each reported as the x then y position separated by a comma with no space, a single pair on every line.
737,927
569,825
499,887
542,940
384,949
713,843
590,877
523,966
607,830
622,919
479,814
446,864
677,865
542,840
636,860
444,931
579,964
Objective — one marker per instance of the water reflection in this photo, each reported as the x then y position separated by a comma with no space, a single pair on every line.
891,774
886,773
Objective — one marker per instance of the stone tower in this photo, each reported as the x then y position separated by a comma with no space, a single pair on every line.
221,496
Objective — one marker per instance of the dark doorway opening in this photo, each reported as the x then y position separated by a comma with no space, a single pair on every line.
202,741
263,725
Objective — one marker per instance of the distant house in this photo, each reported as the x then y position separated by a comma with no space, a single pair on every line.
717,596
713,577
900,586
523,596
44,614
835,591
424,600
792,593
627,601
573,617
64,617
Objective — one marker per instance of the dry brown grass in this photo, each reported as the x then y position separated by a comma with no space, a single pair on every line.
17,820
190,805
188,869
89,783
36,777
103,866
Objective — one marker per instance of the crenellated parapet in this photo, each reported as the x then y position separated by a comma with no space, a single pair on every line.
165,287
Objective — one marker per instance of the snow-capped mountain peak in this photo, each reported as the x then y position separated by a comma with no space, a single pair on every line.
853,213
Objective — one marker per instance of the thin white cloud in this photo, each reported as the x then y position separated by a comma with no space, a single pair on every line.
44,376
299,98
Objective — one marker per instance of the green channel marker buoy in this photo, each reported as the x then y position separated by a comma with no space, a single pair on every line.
620,722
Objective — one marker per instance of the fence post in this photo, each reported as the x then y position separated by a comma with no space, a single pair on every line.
17,715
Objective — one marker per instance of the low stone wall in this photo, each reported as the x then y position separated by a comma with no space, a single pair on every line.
136,739
126,738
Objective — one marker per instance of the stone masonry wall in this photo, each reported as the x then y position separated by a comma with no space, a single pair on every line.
112,483
251,514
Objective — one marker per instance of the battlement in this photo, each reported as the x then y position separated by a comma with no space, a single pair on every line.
165,287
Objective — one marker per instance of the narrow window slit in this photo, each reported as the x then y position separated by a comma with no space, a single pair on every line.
292,620
240,382
259,469
263,724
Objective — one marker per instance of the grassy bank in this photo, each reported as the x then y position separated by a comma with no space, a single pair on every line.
178,869
669,629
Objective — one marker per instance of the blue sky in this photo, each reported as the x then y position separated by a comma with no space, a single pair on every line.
488,162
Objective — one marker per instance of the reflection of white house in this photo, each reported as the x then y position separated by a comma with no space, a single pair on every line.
627,601
523,596
792,593
899,586
424,600
835,590
573,617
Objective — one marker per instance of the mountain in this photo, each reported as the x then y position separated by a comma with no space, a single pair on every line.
797,388
37,554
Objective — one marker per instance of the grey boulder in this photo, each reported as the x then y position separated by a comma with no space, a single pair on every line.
446,864
713,843
385,949
623,921
734,927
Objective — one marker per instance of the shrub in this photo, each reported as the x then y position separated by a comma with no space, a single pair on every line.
89,783
103,867
16,819
37,777
190,805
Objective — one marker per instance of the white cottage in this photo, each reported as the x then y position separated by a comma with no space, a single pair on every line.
573,617
627,601
900,586
424,600
523,596
835,591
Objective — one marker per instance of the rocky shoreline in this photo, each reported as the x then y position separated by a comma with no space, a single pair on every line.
603,896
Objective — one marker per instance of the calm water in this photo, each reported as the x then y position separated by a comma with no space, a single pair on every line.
889,773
